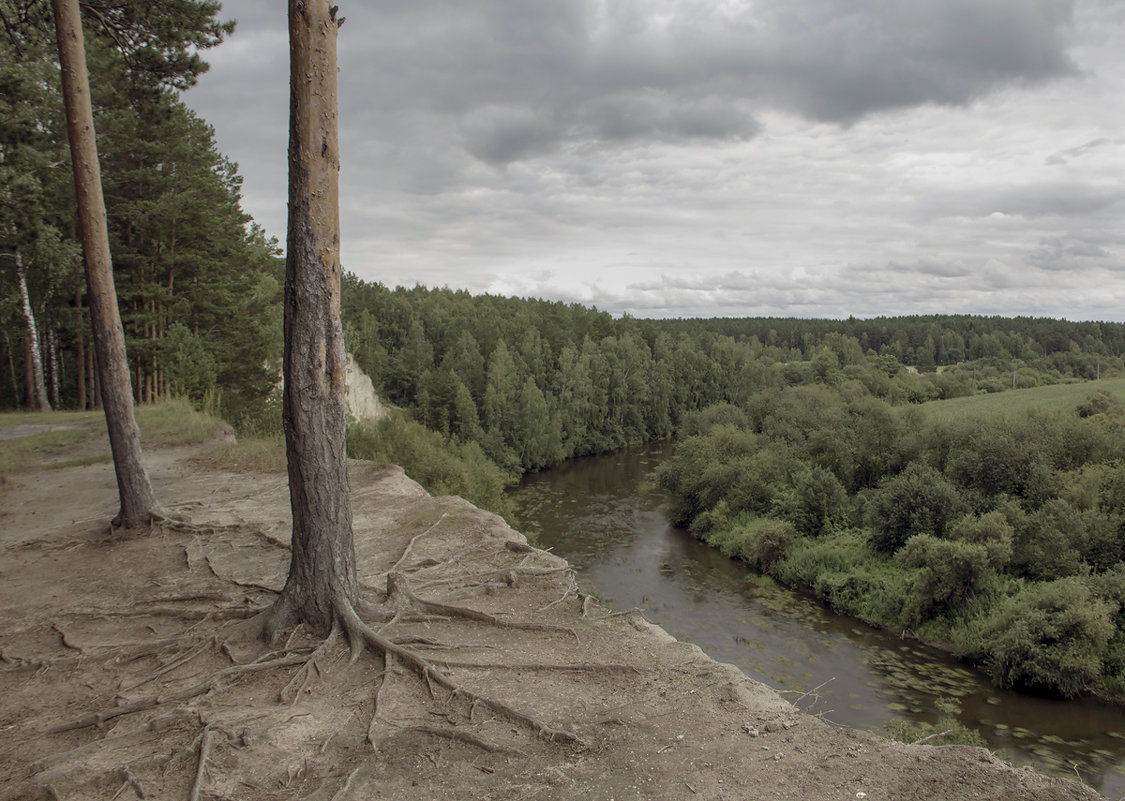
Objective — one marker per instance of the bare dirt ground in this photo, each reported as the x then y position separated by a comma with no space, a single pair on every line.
125,674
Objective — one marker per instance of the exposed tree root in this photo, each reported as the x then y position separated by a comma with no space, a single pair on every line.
414,539
400,596
129,780
384,683
580,667
462,736
358,631
160,724
292,691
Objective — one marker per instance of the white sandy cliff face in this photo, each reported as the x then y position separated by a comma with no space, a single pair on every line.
364,405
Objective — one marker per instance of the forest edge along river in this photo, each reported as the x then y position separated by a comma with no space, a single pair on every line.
601,514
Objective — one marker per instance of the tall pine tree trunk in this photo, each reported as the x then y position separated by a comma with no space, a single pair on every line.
37,387
138,503
322,575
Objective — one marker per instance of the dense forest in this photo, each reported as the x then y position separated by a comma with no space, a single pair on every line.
198,283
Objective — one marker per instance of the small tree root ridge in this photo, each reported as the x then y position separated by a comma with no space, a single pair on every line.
212,683
400,596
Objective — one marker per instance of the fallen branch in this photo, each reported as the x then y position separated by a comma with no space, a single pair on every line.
935,736
201,768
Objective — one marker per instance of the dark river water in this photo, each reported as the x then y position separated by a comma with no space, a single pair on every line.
600,514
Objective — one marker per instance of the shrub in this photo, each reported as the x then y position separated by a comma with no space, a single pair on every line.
765,541
919,500
991,531
946,575
1049,637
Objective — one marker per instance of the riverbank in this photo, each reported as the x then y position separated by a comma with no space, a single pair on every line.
96,627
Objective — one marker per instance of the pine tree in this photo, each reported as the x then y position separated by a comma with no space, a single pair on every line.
138,503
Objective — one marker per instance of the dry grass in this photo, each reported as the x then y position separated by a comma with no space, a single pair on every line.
176,422
249,455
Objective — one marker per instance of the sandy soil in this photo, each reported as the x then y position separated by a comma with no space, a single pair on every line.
126,675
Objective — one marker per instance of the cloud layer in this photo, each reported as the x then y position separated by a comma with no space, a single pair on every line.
686,157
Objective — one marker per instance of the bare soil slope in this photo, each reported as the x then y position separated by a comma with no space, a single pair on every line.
125,674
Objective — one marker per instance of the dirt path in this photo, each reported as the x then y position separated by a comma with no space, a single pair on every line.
93,625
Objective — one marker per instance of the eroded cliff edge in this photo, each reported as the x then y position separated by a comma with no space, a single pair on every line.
93,624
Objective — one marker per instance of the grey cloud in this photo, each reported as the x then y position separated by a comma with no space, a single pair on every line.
1065,156
1032,200
1058,254
931,267
526,78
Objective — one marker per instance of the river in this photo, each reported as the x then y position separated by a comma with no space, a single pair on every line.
601,515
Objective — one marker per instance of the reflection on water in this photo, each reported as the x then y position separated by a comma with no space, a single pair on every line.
599,515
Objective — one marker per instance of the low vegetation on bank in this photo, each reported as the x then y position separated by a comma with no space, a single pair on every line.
1001,534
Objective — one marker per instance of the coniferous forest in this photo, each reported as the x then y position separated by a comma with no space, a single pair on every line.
808,448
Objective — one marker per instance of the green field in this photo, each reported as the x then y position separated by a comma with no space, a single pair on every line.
1019,401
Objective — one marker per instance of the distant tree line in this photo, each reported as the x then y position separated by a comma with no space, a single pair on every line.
534,382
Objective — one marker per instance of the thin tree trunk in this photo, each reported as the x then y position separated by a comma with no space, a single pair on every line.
138,502
37,388
12,370
53,357
322,571
80,350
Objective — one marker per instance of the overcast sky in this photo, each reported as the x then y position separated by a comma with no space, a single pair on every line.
809,158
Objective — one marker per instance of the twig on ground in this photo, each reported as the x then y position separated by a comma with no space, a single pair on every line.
339,794
934,736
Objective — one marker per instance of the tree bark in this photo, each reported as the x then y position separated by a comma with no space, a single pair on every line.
138,503
37,388
322,573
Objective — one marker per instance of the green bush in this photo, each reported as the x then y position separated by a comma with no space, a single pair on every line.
945,576
919,500
765,541
1050,637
